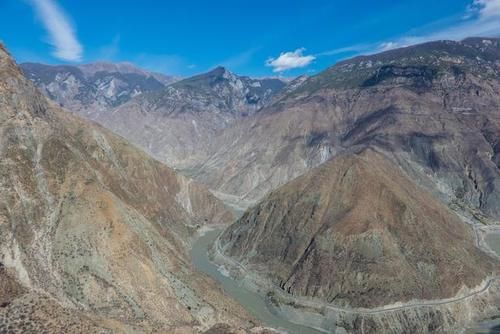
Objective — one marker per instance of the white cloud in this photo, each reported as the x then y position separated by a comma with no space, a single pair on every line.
169,64
290,60
240,59
111,50
482,19
384,46
61,31
348,49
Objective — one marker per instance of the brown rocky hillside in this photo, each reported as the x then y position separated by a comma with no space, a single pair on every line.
357,232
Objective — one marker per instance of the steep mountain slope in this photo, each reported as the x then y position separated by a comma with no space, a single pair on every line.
94,233
433,106
177,124
341,231
92,88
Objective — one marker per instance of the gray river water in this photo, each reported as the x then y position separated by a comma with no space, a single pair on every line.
254,303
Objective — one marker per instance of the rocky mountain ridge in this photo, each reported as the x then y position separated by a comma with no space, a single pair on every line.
89,88
422,62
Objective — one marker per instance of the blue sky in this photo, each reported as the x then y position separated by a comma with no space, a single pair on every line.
254,37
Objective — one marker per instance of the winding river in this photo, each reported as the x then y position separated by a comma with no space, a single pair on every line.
253,302
258,305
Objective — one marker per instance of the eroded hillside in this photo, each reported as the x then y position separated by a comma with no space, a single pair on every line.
93,232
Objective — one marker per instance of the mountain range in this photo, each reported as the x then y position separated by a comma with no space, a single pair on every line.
364,193
415,102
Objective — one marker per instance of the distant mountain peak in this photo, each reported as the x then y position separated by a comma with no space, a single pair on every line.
220,72
209,79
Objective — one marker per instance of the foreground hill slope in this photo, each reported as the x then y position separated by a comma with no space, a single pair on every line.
357,232
94,233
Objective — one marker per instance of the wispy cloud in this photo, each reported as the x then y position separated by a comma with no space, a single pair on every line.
481,18
61,32
111,50
290,60
240,59
385,46
170,64
348,49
